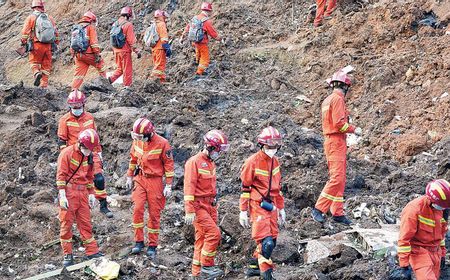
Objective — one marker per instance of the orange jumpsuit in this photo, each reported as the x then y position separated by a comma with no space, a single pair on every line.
123,56
201,49
421,241
320,12
335,127
69,127
154,160
77,191
199,198
158,52
40,57
255,184
84,60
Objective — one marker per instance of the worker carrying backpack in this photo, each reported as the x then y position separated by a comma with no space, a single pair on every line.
116,35
78,41
151,36
44,29
196,32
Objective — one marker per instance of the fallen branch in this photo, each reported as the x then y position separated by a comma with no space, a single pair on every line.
60,270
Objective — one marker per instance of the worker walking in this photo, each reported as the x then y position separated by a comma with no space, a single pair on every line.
421,242
199,30
201,206
69,127
261,197
41,37
74,179
162,49
85,48
151,160
324,12
123,41
335,125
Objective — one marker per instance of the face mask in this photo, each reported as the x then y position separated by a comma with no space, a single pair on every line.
270,152
85,151
77,112
213,155
437,207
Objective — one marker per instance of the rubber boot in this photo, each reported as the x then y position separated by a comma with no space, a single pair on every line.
68,260
138,247
342,219
37,79
151,252
104,208
210,272
267,275
317,215
95,256
253,268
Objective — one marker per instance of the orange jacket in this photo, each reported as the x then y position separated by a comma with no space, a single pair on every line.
154,158
207,28
69,127
28,28
255,180
335,115
161,28
199,180
421,225
127,29
68,161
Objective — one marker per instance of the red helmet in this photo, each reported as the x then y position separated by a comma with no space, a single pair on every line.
438,191
91,16
89,138
161,13
342,77
126,11
37,3
143,126
270,136
76,99
217,139
206,6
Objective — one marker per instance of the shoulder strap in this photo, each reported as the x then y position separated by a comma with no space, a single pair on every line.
76,170
270,179
204,19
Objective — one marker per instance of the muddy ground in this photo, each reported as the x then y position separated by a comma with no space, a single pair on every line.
270,71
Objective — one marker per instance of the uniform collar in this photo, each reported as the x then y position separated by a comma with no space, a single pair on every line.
263,155
339,92
205,156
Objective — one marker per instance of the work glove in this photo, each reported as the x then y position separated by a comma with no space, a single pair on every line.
63,202
92,200
168,50
167,191
243,219
358,131
401,273
98,58
189,218
281,217
129,183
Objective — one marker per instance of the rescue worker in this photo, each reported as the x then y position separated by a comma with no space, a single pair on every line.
201,48
92,55
69,127
151,159
200,203
324,12
74,180
40,55
335,125
162,48
123,55
421,242
261,197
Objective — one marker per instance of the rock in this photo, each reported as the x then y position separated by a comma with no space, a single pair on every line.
275,84
14,109
357,183
410,74
283,87
188,233
426,84
37,119
229,223
324,247
286,250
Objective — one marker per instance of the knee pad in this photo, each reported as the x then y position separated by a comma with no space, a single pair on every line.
99,181
267,246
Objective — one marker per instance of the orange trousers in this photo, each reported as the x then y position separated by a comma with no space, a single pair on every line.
425,264
264,224
40,59
82,62
202,57
159,64
332,196
147,190
124,67
78,211
207,234
321,11
98,168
